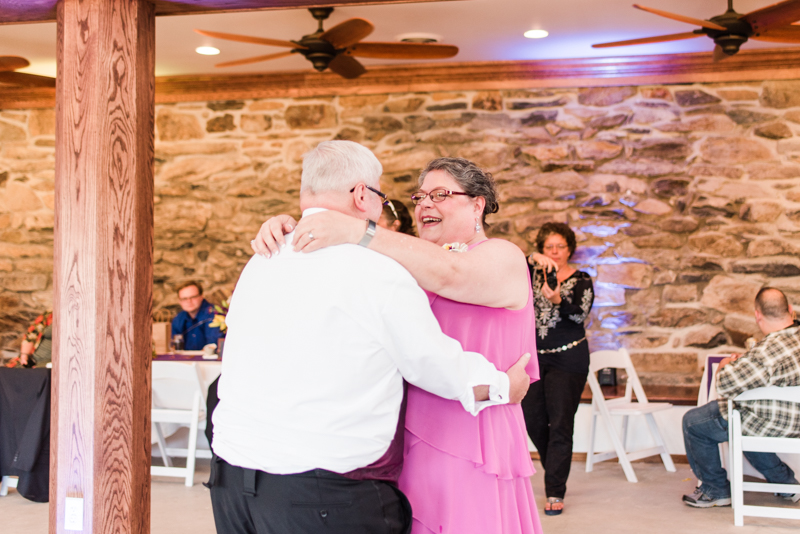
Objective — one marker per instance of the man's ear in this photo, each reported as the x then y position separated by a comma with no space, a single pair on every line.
360,198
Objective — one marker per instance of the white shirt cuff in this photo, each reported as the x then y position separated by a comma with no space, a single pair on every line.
498,394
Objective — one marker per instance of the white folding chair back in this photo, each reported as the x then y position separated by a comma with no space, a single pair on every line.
624,406
185,406
739,443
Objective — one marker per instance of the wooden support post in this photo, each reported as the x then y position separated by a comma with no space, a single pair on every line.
100,432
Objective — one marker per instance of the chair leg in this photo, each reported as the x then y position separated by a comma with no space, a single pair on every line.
619,448
590,453
656,433
191,453
625,433
736,470
162,445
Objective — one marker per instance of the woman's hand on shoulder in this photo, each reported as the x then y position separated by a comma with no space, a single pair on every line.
270,238
326,229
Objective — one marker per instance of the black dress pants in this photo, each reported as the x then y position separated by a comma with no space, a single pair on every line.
318,501
549,409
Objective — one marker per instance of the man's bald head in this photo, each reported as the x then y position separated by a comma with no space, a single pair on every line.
772,304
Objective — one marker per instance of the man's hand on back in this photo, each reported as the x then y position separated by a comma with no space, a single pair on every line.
518,379
518,382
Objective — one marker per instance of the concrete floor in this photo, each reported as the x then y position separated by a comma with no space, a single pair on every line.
598,502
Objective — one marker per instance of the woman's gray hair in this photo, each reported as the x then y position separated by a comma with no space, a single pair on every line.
338,166
470,177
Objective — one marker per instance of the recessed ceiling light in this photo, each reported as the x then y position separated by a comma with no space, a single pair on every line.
419,38
207,50
535,34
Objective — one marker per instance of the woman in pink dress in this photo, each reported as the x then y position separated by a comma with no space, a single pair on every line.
462,474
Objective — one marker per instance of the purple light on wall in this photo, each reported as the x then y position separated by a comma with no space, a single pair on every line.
616,260
584,254
616,320
602,230
608,295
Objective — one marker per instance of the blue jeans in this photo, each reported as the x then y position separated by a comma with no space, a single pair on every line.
703,429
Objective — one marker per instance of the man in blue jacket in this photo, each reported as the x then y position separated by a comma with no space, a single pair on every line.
193,322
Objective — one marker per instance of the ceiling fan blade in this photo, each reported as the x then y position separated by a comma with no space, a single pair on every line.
780,34
773,16
12,63
27,80
681,18
246,39
346,66
403,50
348,33
256,59
646,40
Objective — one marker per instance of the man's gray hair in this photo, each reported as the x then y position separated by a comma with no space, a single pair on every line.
339,166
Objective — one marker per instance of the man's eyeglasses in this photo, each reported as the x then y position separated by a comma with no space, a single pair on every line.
437,195
560,246
184,299
383,196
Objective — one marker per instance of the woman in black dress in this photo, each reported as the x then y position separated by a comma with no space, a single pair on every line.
561,309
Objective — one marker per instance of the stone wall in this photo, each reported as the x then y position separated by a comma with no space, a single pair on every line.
685,199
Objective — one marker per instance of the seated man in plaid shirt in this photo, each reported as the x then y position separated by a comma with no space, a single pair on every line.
775,361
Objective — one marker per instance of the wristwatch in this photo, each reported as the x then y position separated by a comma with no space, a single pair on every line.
369,234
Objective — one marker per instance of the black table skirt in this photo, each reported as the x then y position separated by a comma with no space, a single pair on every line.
25,430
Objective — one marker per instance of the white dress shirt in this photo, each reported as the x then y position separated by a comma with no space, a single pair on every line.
317,348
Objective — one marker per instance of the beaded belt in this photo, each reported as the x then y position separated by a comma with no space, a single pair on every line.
562,348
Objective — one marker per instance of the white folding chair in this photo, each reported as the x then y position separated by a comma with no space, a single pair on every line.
185,405
739,443
625,407
7,482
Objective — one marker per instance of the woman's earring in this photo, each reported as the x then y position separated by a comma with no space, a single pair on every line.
477,226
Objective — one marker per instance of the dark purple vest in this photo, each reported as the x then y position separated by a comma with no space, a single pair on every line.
388,467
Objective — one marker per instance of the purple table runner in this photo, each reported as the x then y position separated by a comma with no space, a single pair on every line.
172,357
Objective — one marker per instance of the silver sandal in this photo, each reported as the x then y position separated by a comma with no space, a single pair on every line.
551,501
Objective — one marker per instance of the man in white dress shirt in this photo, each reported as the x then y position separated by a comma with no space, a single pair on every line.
308,431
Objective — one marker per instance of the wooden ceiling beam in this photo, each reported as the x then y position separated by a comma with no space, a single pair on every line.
26,11
750,65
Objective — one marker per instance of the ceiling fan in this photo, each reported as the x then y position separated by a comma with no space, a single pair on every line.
334,48
731,30
8,64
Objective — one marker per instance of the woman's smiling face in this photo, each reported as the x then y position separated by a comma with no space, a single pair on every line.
449,221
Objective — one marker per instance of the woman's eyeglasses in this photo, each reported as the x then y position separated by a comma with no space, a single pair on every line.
437,195
383,196
560,246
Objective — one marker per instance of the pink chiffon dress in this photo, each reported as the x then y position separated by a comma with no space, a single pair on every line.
465,474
